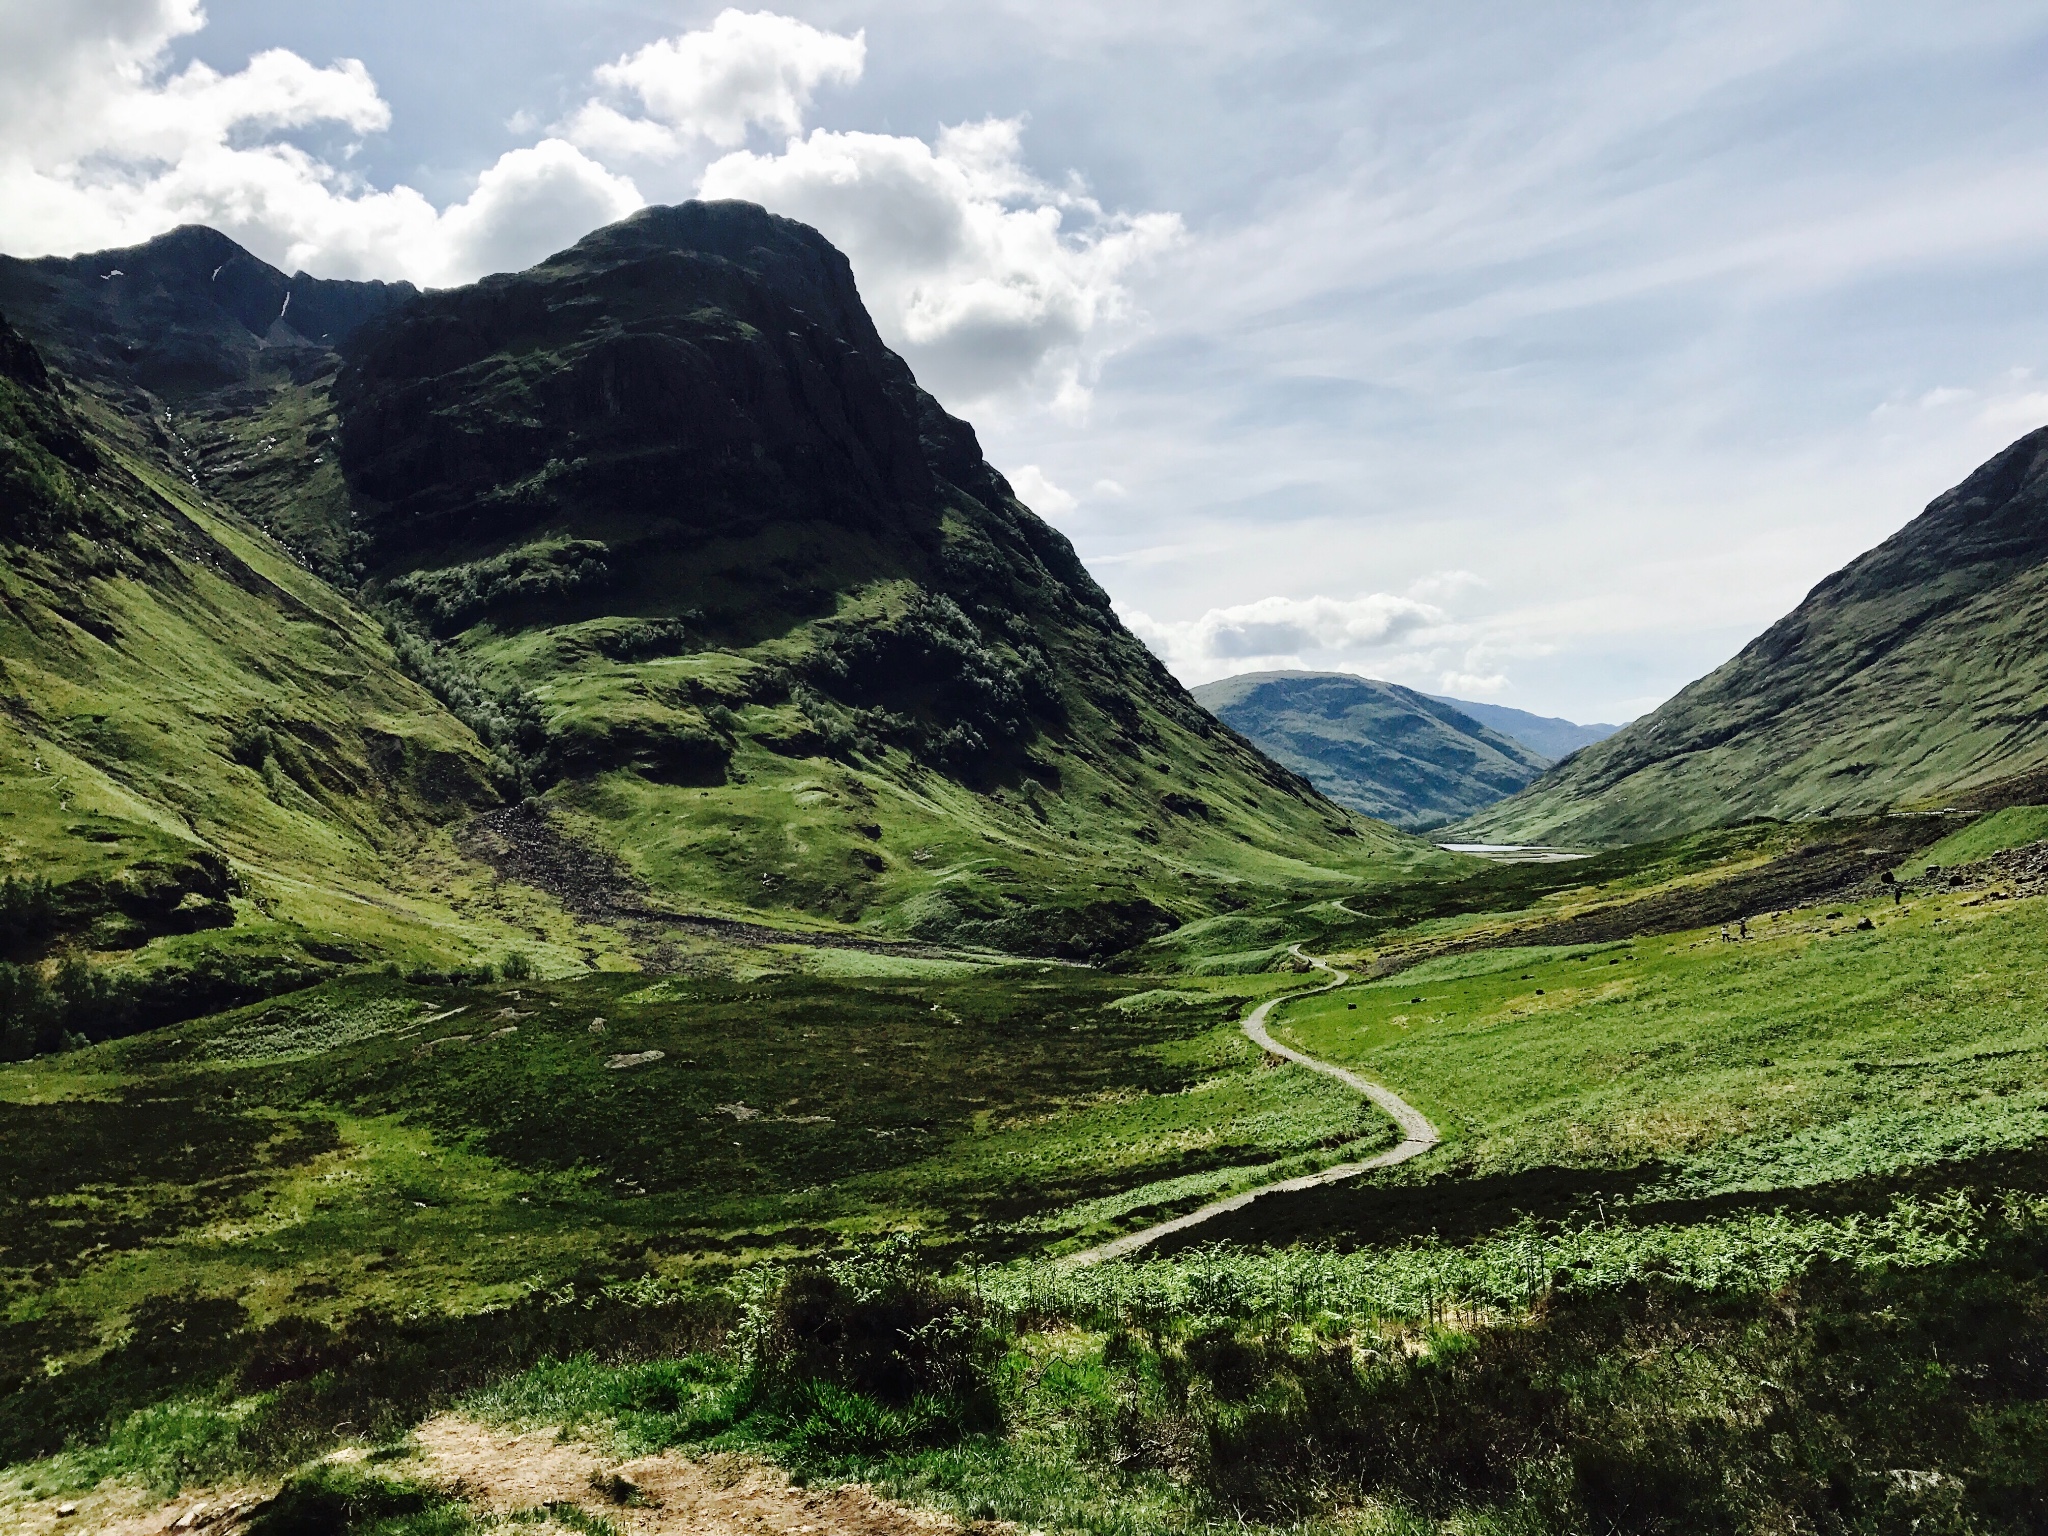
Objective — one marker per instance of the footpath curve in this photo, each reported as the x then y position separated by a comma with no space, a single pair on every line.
1417,1134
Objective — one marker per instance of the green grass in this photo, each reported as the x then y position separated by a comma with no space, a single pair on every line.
2013,827
1650,1146
370,1146
1812,1051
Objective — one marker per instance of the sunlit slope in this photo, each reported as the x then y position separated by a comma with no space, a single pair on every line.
1914,673
200,744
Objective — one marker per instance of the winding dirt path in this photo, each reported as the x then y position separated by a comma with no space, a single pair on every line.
1417,1134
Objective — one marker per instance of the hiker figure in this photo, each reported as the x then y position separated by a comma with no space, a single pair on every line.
1724,933
1745,928
1898,895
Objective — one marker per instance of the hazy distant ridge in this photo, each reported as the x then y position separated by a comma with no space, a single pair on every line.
1546,735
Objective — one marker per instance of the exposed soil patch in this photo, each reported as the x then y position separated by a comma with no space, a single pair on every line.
666,1495
503,1473
523,843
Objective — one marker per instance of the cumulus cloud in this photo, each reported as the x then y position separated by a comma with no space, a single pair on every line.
746,68
983,274
101,145
1035,489
1282,631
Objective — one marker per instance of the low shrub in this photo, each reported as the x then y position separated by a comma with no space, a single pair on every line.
28,915
453,598
857,1355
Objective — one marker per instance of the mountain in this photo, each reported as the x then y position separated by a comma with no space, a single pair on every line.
1914,674
1545,735
638,588
1377,747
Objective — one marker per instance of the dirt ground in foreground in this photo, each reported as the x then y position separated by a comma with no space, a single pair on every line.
676,1495
501,1472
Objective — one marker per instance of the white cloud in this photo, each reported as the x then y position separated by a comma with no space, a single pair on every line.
1459,684
966,259
746,68
100,145
1281,631
1036,490
2025,411
1936,398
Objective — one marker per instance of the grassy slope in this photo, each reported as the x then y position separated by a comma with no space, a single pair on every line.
2014,827
1717,1058
1377,747
144,643
1909,676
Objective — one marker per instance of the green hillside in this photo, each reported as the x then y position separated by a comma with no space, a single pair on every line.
1911,675
1377,747
213,773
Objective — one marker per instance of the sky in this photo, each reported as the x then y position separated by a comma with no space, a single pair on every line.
1539,355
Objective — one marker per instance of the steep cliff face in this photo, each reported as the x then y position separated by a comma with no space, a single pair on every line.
670,488
1915,672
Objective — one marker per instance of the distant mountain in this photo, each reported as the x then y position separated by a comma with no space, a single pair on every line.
1546,735
1377,747
1914,673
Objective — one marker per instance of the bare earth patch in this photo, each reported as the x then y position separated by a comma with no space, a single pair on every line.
498,1472
676,1495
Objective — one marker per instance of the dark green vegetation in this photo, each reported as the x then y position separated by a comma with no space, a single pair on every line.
1913,675
1721,1232
1377,747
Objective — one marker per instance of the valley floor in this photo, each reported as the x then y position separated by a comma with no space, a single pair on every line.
1723,1232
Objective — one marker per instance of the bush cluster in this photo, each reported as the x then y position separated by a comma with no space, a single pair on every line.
642,639
870,1353
450,600
932,681
505,718
28,915
83,1003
